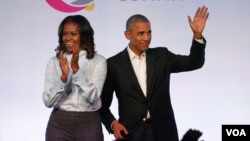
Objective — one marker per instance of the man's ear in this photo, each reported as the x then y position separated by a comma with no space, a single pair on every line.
127,34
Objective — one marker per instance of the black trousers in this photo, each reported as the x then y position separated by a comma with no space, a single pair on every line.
74,126
142,133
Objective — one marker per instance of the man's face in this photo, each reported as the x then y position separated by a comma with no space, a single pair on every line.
140,36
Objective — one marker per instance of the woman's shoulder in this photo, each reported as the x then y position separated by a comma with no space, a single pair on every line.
99,56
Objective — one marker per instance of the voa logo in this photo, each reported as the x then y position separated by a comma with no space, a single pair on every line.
236,132
70,6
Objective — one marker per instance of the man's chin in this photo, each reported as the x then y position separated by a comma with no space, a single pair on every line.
145,48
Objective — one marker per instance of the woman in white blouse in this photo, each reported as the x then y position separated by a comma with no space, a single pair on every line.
73,82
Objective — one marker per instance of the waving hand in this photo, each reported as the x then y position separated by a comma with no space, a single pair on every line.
199,21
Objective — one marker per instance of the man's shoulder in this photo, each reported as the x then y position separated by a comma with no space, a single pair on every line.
119,55
124,54
157,50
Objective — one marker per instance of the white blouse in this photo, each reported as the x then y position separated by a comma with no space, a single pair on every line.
82,90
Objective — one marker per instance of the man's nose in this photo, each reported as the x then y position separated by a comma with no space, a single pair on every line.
147,37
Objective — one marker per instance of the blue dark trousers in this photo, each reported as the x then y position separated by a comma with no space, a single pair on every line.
74,126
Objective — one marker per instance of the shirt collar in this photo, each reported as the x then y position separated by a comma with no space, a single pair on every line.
81,53
132,55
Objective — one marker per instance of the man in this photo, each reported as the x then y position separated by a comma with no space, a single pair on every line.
140,75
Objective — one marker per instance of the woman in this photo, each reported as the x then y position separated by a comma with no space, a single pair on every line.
73,82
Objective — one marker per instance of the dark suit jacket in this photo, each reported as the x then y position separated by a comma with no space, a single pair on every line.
133,105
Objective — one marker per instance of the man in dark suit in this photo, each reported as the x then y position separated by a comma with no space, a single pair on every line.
140,77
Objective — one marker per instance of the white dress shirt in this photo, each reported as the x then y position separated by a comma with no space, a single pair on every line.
139,66
82,90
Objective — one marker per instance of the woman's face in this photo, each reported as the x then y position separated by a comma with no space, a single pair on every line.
71,37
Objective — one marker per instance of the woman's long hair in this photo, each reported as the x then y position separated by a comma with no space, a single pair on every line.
86,35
